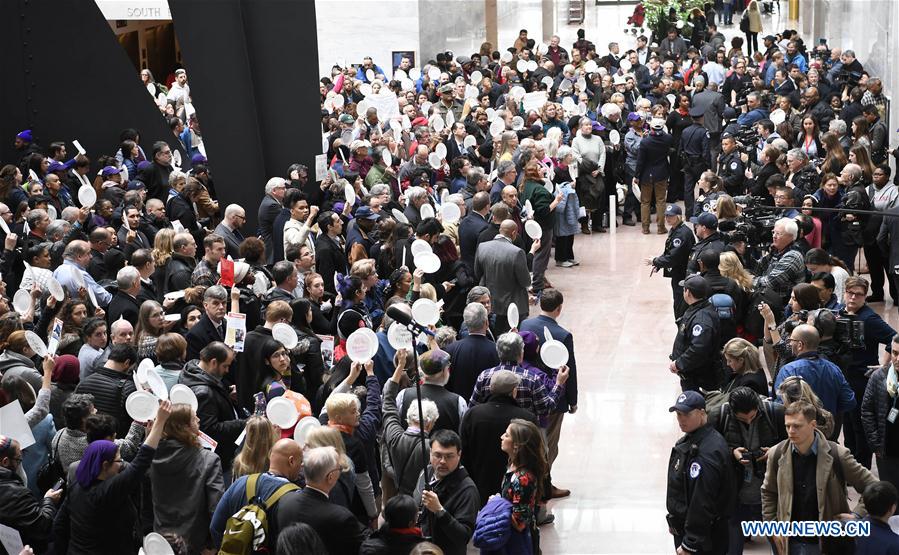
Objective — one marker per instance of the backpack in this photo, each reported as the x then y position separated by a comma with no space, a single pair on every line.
724,305
245,531
744,22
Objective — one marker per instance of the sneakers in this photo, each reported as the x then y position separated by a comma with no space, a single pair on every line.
574,262
565,264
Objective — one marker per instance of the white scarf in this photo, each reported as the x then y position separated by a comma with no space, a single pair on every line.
892,381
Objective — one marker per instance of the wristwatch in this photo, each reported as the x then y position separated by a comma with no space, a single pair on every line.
772,327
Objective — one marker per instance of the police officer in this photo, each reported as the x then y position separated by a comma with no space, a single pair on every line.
695,356
706,227
701,490
677,252
695,154
730,166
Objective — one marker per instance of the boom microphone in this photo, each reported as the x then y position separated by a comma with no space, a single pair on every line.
399,315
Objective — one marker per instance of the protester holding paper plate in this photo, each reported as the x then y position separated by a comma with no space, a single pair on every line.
276,376
187,480
544,205
352,314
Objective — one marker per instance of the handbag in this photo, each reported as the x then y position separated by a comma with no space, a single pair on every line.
52,471
744,22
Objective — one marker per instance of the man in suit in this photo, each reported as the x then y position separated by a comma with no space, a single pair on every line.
472,225
503,268
100,242
229,229
211,326
472,354
269,209
129,236
710,103
652,172
550,310
335,525
455,143
181,266
142,259
329,254
482,424
124,303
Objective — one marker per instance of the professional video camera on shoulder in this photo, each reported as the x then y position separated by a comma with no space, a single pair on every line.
754,226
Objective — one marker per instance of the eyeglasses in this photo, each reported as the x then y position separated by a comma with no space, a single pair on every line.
444,457
855,293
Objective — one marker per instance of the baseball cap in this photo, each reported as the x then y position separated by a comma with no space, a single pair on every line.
634,116
142,165
696,112
673,210
503,382
25,135
445,89
706,219
687,401
345,118
657,123
197,159
110,170
365,213
697,285
135,185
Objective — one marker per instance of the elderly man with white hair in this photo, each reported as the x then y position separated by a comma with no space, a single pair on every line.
784,267
852,226
269,209
229,229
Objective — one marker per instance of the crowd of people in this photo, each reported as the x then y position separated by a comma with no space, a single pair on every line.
446,189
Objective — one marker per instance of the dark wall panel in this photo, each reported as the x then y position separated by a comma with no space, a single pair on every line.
65,76
252,67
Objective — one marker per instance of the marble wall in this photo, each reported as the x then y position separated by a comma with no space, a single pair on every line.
869,27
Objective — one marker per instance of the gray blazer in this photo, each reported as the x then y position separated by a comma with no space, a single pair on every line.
232,241
502,267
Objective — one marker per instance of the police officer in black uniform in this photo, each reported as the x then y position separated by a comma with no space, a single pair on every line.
730,166
694,142
701,487
706,229
677,252
695,355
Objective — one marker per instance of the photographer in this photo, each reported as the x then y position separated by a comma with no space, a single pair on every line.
803,175
750,426
783,267
876,333
753,111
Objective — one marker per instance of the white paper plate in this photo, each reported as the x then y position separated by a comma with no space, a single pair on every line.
553,354
51,211
387,157
350,193
22,301
304,426
428,262
533,229
87,196
141,406
4,226
614,137
450,213
469,141
440,149
36,343
420,246
426,211
76,276
157,385
362,345
532,65
517,92
625,65
93,297
285,334
282,413
528,208
517,123
549,186
590,66
399,216
434,73
450,118
174,295
505,57
145,366
370,75
415,73
512,315
180,393
399,337
176,158
437,123
777,116
434,160
547,81
155,544
522,65
497,127
476,77
172,317
426,312
546,335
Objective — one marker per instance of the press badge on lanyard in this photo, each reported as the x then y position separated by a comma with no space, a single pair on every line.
894,412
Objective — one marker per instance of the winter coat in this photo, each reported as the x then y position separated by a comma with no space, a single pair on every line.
459,497
219,417
31,516
16,364
401,454
391,541
187,485
493,527
110,389
876,405
567,212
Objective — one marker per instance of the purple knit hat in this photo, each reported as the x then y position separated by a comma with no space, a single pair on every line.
95,455
531,346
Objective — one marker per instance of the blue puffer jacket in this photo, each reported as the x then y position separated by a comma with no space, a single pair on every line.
493,527
567,212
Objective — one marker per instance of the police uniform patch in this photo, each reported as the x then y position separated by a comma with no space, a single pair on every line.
695,469
697,329
733,165
708,134
676,243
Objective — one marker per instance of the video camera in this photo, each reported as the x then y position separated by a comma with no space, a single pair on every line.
849,333
747,138
754,226
848,78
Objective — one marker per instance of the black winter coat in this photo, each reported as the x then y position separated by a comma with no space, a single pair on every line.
876,405
110,389
219,417
33,518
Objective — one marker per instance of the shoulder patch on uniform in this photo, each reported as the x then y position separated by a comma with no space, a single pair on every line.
733,165
695,469
676,243
708,135
697,329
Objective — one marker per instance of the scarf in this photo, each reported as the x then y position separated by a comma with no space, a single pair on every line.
892,381
95,455
348,430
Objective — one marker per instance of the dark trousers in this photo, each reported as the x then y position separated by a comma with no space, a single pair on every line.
719,537
888,470
677,295
877,267
845,253
690,180
742,513
856,441
631,203
564,248
752,43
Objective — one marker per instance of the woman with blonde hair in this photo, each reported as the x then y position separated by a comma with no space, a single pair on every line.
742,357
731,267
187,481
726,208
258,441
507,145
162,253
793,389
